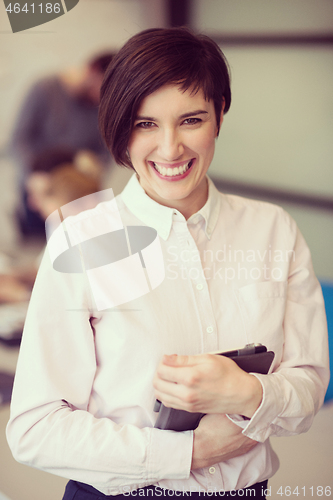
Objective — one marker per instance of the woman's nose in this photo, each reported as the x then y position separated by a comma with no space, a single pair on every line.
170,145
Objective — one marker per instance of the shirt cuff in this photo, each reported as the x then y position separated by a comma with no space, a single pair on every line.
170,455
260,426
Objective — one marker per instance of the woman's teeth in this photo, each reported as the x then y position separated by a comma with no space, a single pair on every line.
171,172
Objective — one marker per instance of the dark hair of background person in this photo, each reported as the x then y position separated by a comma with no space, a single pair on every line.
50,159
101,62
148,61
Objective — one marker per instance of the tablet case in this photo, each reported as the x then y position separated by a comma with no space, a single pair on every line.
181,420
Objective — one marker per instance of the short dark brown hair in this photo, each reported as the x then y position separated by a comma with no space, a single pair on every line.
150,60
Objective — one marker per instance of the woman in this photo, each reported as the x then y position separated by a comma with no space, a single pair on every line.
237,271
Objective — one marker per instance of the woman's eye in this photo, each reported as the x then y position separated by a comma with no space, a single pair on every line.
192,121
144,124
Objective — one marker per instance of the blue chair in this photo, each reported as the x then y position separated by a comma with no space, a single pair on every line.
328,297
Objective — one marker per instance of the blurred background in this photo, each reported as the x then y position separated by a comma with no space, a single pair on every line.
275,144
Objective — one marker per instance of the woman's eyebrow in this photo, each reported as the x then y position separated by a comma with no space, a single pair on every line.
185,115
146,118
193,113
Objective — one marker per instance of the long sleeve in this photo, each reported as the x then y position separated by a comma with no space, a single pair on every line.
51,425
295,391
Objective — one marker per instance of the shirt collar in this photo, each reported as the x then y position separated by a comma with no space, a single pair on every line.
160,217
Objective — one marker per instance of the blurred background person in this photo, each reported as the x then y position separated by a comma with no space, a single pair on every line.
49,191
38,183
59,111
49,186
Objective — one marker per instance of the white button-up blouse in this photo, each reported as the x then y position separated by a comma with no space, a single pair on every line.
236,272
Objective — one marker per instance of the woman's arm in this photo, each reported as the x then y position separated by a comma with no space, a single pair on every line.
50,426
295,391
288,399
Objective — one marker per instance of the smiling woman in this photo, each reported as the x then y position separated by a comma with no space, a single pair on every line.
85,408
171,151
174,94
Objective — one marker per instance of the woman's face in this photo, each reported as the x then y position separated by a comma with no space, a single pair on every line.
172,145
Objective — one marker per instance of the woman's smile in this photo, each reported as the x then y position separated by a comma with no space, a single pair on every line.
173,172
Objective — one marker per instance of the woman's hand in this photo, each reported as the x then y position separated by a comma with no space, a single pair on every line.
218,439
206,383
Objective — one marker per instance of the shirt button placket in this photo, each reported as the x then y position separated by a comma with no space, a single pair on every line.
199,283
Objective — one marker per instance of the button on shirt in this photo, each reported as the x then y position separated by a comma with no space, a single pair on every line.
236,272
